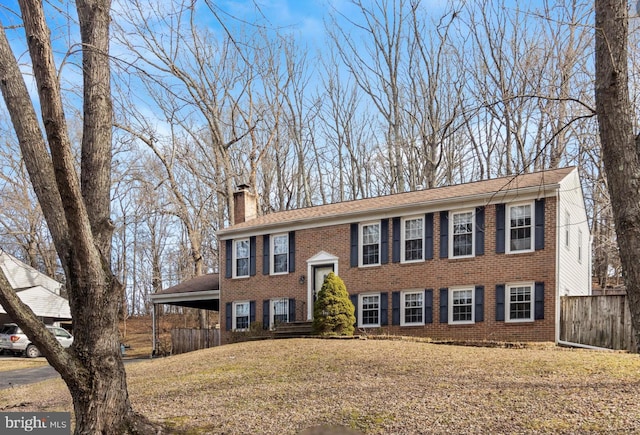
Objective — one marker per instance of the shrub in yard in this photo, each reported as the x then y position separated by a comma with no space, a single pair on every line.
333,312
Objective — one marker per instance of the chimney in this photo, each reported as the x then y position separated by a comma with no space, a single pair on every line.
245,205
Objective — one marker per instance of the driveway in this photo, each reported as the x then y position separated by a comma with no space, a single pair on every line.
13,378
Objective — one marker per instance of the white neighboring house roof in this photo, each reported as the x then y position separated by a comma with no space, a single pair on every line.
22,276
37,290
44,303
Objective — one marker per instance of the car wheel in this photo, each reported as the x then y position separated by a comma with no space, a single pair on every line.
32,351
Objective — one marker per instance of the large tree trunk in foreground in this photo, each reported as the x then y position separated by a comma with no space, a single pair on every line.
77,215
621,150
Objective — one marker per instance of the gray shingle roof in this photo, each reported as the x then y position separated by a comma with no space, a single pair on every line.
541,180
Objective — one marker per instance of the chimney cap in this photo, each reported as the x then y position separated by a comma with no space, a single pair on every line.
243,186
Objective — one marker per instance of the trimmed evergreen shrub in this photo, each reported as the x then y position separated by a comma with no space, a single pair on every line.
333,312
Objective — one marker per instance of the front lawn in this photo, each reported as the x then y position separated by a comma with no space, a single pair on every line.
375,386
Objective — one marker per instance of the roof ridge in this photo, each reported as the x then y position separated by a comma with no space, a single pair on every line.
515,181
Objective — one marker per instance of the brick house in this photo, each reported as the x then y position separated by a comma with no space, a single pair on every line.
486,260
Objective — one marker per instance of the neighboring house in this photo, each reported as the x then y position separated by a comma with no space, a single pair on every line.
37,290
479,261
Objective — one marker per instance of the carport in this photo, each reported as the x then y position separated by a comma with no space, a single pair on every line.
201,292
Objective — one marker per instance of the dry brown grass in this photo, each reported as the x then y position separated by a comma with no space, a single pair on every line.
377,387
20,363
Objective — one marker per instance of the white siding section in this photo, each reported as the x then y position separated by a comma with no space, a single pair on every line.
22,276
574,257
44,303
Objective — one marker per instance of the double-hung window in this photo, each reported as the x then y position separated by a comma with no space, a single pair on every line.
241,253
462,224
280,310
241,315
370,244
412,239
412,305
280,254
520,224
369,315
519,302
461,305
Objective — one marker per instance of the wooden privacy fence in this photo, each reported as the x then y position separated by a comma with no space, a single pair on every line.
187,339
602,321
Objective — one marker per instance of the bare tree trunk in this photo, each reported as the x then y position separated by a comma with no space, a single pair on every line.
77,216
620,147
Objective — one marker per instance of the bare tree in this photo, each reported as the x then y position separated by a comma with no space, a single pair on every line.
347,129
23,230
375,63
77,211
621,146
434,97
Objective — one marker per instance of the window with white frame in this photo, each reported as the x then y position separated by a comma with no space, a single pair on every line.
462,233
520,228
280,311
369,310
580,246
519,302
241,253
280,254
412,306
241,315
370,244
412,239
461,305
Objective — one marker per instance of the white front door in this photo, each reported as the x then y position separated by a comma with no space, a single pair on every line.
318,267
321,273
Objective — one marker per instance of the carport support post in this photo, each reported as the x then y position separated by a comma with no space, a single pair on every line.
153,329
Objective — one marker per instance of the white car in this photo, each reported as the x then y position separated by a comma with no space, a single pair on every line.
12,339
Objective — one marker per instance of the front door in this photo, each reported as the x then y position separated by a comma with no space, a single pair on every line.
320,273
318,267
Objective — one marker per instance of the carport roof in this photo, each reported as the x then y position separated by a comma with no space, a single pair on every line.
200,292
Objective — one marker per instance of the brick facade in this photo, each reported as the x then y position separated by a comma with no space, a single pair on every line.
486,270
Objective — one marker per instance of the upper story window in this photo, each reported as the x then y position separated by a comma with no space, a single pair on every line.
370,244
241,253
520,224
580,246
241,315
369,307
519,302
413,239
461,302
567,230
280,254
462,234
412,308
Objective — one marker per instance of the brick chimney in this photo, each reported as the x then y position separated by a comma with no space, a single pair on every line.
245,205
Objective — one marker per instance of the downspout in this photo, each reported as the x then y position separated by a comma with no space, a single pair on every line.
557,289
589,254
